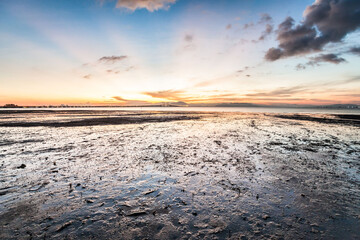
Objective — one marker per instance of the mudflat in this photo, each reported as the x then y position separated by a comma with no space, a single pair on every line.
178,175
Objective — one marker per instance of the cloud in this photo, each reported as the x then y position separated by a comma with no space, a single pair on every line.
330,58
166,94
150,5
183,96
87,76
300,67
355,50
189,45
243,70
120,99
112,59
316,61
229,26
128,102
248,25
268,30
273,54
265,18
280,92
188,38
325,21
354,79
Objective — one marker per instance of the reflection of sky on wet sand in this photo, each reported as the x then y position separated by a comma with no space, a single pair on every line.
224,176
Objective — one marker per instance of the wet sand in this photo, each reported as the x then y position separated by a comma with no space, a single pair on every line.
167,175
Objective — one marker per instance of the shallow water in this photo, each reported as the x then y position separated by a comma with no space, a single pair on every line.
222,176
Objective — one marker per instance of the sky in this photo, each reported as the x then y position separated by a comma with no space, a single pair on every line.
183,52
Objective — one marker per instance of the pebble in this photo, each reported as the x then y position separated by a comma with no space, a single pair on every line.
22,166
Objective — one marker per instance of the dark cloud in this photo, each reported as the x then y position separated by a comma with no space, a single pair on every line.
265,18
150,5
330,58
333,18
273,54
325,21
316,61
112,59
355,50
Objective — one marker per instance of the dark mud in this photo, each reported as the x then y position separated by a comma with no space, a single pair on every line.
223,176
353,120
98,121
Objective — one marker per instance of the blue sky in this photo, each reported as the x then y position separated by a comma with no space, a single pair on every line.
176,51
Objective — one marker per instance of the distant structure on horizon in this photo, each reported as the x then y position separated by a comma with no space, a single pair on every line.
348,106
11,105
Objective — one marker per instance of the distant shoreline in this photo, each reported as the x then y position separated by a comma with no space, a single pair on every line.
335,106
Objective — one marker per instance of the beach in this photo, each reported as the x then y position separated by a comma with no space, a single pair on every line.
94,174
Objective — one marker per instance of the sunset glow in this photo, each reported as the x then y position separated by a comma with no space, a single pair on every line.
181,52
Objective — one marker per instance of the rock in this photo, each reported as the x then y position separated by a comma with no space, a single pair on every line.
3,192
168,232
313,230
65,225
218,225
22,166
192,173
265,217
149,192
136,214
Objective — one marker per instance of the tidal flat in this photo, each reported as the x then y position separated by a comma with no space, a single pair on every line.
178,175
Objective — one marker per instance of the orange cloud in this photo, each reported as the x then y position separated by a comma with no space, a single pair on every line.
167,94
